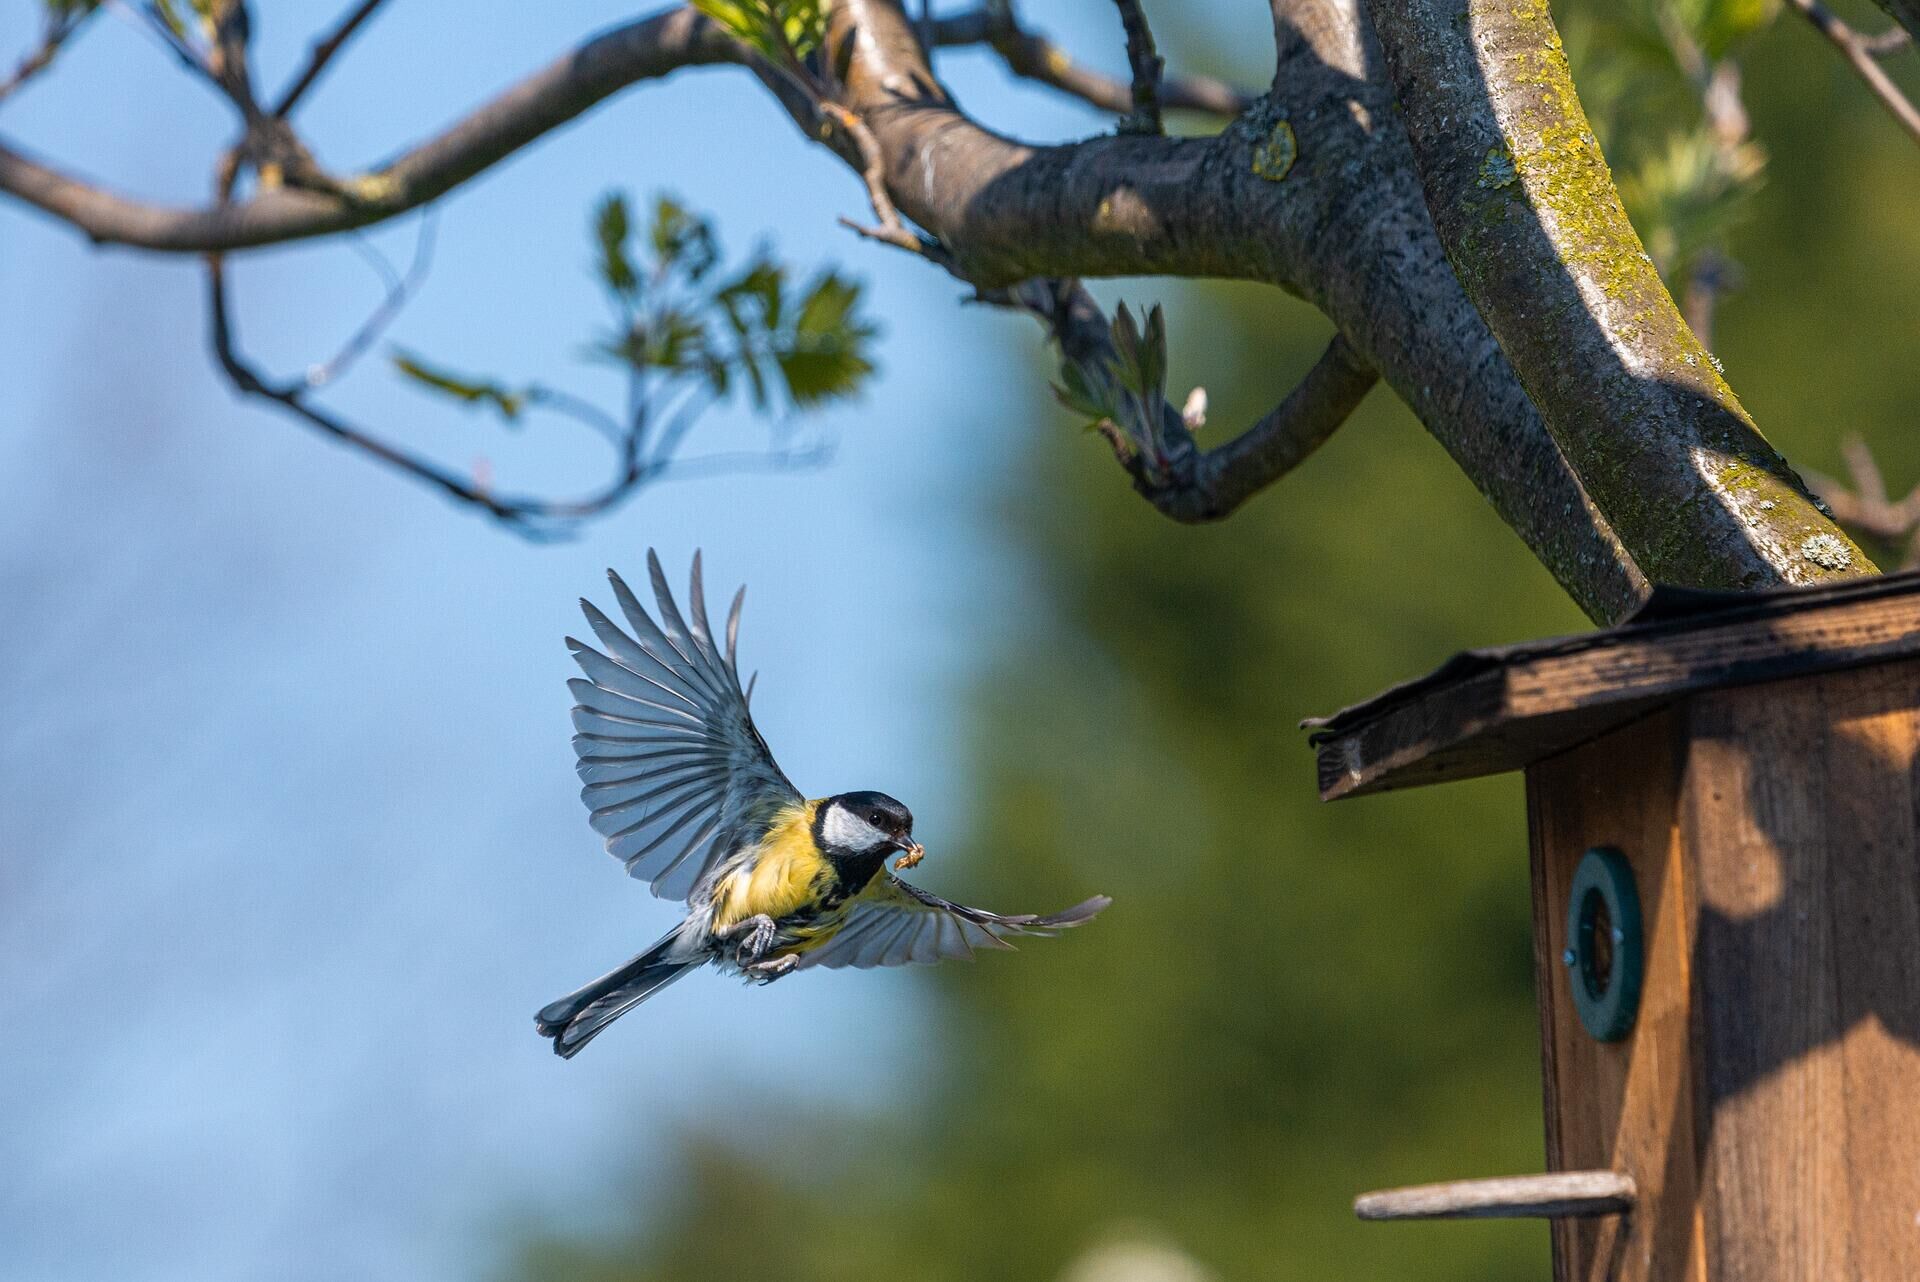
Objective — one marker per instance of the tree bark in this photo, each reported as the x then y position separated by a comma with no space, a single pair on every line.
1529,216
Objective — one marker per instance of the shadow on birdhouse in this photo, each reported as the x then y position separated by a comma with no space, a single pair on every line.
1722,803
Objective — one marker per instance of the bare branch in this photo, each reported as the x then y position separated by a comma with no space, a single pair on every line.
1522,198
1904,12
534,518
1034,57
321,54
1859,50
1888,42
1865,506
643,50
891,230
1147,67
1186,483
57,28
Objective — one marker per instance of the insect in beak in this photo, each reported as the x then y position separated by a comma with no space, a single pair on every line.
914,852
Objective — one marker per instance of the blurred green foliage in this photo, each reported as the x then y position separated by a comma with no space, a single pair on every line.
683,325
1288,1002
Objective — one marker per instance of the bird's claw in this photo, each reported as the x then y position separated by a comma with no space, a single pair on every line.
774,967
914,854
759,931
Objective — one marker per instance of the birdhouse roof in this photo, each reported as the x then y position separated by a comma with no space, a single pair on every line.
1498,709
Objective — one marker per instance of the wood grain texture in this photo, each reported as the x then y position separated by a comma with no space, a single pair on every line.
1556,1195
1799,812
1625,1106
1531,704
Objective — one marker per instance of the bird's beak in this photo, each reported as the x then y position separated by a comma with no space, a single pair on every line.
912,853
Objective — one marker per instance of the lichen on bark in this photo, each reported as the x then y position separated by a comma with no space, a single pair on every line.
1636,403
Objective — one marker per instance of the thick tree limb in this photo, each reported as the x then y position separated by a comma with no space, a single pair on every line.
1523,201
1189,484
1341,222
1859,50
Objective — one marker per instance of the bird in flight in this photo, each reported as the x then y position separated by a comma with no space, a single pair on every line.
687,795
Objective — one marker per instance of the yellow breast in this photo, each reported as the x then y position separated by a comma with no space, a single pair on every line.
787,875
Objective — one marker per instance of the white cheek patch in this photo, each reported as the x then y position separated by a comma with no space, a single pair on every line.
849,831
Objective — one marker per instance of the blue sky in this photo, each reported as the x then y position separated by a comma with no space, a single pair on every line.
290,847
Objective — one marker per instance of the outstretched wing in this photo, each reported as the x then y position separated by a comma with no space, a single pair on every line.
676,775
897,922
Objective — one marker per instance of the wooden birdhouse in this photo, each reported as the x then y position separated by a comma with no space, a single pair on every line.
1724,814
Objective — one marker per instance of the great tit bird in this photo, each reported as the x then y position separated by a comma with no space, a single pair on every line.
684,790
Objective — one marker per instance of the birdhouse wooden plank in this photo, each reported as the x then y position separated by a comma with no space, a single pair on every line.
1724,816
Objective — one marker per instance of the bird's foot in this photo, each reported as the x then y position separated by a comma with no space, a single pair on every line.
914,854
754,936
774,967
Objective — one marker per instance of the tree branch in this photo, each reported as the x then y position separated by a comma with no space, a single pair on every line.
1032,56
1144,92
536,519
1859,50
1186,483
321,54
1904,12
643,50
1866,507
1312,190
1523,201
56,29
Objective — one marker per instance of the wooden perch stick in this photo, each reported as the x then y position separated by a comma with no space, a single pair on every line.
1563,1194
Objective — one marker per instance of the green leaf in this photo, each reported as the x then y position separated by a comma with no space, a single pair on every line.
753,300
610,231
824,358
682,241
469,391
779,30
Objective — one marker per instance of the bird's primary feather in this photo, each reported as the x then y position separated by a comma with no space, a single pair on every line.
676,776
894,922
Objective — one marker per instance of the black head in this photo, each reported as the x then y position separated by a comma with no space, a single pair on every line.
862,823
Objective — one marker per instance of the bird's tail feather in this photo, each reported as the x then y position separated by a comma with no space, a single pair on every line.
577,1018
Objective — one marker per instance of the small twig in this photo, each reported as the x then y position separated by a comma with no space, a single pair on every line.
321,54
1032,56
146,18
1145,62
1865,506
533,518
891,229
58,29
1888,42
1859,50
1186,483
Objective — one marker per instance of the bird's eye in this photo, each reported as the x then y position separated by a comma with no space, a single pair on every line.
876,819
